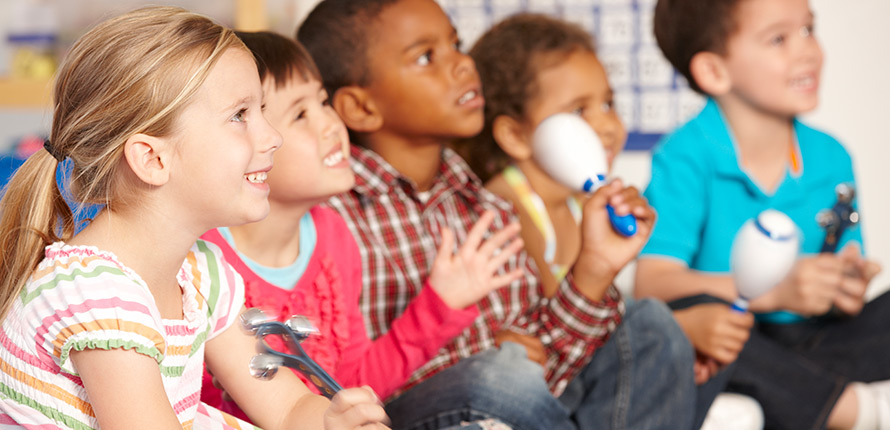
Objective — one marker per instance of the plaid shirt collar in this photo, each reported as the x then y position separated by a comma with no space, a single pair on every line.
374,176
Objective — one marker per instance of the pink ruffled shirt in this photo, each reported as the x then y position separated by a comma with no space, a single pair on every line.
328,295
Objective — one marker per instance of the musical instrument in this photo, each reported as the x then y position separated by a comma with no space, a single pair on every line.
763,252
297,328
837,219
569,150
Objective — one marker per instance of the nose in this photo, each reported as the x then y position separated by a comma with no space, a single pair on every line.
332,126
270,138
463,65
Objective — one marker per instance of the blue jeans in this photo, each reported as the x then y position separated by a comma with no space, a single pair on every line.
642,378
798,371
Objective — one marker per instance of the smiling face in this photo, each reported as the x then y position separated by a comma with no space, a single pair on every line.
773,58
578,84
313,163
422,83
225,146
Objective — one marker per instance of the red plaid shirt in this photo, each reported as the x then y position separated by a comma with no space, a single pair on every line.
398,236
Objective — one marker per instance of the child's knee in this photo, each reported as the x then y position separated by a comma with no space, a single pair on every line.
653,327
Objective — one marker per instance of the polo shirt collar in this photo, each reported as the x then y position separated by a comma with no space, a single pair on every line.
713,125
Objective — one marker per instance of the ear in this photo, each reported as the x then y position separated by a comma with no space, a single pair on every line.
357,109
512,137
148,158
710,73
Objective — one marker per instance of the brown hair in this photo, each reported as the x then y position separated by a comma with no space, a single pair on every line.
131,74
336,34
509,58
684,28
279,57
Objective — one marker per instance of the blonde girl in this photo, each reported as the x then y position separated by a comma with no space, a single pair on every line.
159,111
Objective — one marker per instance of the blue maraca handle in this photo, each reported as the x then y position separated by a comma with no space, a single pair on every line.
624,225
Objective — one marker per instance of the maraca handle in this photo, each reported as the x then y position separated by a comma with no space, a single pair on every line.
624,225
740,305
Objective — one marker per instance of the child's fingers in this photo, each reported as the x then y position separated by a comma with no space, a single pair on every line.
477,232
499,239
356,407
446,248
507,279
506,254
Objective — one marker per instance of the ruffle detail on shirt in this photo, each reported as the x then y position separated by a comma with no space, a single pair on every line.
321,302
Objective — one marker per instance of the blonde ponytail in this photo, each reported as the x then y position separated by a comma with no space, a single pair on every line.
131,74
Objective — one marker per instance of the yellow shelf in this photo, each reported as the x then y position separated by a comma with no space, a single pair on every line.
25,93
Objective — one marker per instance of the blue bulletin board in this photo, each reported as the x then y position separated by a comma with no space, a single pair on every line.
650,97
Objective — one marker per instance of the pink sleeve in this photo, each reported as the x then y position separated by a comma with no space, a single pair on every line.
414,338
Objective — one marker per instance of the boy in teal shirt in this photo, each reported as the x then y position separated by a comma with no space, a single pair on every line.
759,63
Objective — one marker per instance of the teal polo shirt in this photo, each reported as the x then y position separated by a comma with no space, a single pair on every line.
703,196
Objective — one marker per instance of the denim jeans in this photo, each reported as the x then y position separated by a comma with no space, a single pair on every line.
642,378
798,371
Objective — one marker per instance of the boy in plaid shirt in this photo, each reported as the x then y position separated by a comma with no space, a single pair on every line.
404,89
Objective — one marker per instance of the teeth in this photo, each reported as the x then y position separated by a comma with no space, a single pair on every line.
802,82
466,97
333,159
256,177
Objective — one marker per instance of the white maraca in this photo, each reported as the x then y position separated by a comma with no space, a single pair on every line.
763,252
569,150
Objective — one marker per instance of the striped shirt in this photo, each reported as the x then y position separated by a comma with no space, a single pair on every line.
82,298
398,235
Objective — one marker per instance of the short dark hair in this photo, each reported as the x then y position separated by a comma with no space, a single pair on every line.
509,58
279,57
336,34
684,28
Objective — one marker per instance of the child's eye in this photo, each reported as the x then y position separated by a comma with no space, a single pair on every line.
806,31
608,106
777,40
240,116
579,111
425,59
458,44
300,115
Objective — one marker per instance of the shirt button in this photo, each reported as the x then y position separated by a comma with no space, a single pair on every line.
545,301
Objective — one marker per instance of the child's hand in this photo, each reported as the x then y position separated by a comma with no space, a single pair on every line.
811,287
704,368
355,408
603,252
715,330
857,274
534,348
463,278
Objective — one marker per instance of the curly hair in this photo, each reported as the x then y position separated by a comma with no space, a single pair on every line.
684,28
509,58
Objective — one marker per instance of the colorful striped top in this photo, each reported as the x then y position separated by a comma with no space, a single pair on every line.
82,298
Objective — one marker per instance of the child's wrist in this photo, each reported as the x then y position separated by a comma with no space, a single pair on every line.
592,279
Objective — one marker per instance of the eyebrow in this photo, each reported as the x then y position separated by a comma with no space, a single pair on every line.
781,24
240,102
610,94
427,40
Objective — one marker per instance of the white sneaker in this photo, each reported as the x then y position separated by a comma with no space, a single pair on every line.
731,411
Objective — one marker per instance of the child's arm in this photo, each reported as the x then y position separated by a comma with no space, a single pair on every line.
426,325
125,389
603,252
715,330
284,401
